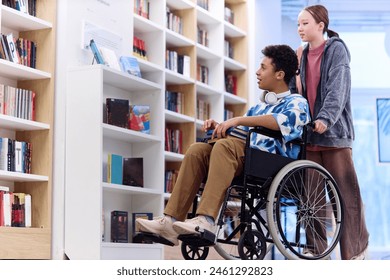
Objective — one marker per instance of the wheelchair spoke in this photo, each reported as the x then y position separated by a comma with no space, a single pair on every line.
305,211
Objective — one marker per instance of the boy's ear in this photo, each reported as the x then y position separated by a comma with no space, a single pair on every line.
280,75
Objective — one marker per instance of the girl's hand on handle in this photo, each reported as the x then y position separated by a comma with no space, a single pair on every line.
319,126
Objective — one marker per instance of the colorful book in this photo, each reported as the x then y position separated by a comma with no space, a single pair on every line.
140,215
139,118
129,64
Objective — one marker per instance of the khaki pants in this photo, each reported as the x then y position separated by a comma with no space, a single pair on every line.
219,163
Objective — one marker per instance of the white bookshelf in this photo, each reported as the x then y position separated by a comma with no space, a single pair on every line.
87,88
87,192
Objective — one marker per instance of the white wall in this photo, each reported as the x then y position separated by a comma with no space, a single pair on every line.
267,30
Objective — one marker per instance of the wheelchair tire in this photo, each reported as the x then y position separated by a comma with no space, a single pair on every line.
191,252
304,211
252,245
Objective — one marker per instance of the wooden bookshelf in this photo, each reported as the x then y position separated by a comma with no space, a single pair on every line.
34,242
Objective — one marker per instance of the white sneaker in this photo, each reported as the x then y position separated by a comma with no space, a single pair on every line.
310,255
161,226
361,256
194,225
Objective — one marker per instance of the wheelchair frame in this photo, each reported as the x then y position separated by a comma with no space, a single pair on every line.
303,209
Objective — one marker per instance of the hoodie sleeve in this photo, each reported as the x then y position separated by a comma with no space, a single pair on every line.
337,77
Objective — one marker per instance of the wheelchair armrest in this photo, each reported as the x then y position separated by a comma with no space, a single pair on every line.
264,131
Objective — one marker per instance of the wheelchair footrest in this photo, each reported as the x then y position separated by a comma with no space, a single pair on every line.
146,237
202,239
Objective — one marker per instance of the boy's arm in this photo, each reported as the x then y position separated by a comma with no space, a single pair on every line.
267,121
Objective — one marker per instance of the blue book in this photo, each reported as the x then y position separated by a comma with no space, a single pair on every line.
129,64
232,131
115,169
96,52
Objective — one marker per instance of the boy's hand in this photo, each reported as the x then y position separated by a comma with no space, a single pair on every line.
209,124
221,128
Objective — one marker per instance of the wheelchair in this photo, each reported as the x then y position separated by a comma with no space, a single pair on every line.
293,204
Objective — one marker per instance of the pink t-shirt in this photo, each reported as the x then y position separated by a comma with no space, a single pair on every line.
313,74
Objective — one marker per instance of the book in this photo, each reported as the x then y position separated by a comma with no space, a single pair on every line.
117,111
133,172
18,156
139,50
4,188
96,52
110,58
18,210
27,210
237,132
14,55
114,169
3,153
139,118
232,131
129,64
119,226
7,208
183,65
140,215
2,51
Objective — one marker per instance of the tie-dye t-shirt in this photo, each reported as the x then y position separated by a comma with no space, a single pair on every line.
292,114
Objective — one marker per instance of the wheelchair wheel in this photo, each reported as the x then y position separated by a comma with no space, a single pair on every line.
252,245
191,252
304,211
228,233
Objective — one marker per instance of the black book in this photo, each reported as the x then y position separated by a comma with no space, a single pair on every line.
119,227
117,112
133,172
11,155
6,47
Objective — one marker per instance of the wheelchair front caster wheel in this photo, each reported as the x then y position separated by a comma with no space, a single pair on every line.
191,252
252,245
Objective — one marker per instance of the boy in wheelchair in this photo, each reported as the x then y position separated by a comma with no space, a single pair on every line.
278,110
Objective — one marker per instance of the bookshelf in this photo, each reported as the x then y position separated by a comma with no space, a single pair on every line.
33,242
87,88
86,186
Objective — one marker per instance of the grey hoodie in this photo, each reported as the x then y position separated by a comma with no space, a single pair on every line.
333,101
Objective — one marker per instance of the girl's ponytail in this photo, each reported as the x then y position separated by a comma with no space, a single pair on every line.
331,33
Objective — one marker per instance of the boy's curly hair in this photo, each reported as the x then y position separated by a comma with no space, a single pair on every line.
284,59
